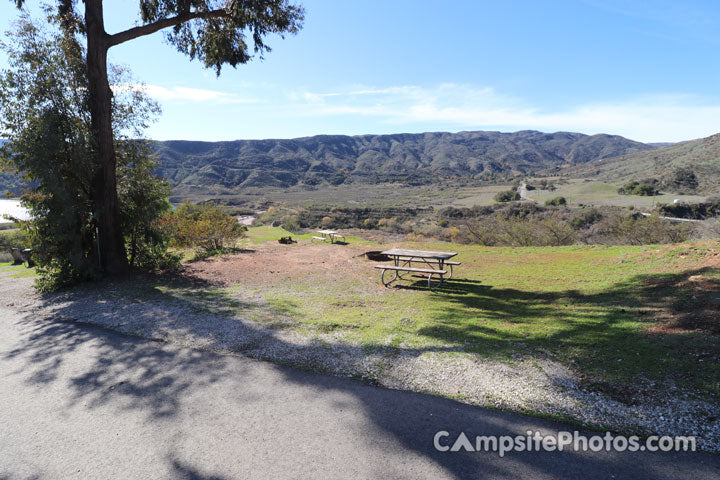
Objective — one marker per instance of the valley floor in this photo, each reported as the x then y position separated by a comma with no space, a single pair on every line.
619,338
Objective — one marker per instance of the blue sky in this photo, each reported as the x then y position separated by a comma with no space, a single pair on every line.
647,70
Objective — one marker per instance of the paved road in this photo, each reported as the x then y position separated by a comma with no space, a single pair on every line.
522,190
77,401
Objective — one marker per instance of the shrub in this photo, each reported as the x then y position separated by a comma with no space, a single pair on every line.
291,223
585,218
507,196
683,180
634,229
203,226
13,239
556,202
517,231
646,188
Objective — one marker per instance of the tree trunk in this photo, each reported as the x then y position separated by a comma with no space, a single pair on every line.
107,214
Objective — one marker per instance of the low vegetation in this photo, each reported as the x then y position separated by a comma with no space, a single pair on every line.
621,316
644,188
556,202
507,196
203,226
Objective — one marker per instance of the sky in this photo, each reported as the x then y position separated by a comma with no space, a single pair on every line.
646,70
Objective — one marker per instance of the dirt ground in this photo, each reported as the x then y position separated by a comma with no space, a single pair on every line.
268,263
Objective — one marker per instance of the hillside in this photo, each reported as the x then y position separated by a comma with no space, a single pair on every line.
407,158
702,155
410,158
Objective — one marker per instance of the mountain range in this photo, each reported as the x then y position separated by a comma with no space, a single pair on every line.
410,158
193,166
702,155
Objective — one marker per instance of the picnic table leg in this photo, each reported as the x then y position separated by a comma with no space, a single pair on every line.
441,280
407,263
442,267
387,283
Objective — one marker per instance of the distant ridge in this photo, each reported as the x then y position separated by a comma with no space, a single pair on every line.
422,157
702,155
407,158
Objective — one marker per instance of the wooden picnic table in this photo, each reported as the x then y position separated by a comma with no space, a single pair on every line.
436,264
331,235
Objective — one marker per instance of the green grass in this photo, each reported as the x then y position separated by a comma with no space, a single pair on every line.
18,271
586,306
601,193
266,233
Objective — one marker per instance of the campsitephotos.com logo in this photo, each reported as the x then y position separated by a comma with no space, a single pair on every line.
534,441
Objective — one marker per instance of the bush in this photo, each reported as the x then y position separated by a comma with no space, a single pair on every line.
13,239
683,180
556,202
203,226
646,188
507,196
517,231
585,218
634,229
696,211
291,223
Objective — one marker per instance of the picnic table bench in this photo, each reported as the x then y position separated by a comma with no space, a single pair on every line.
437,265
326,235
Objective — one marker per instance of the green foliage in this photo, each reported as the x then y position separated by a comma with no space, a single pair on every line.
44,111
556,202
15,238
683,181
143,199
507,196
43,104
646,188
544,184
218,37
585,218
695,211
203,226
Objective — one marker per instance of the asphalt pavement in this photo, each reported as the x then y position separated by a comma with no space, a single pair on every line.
77,401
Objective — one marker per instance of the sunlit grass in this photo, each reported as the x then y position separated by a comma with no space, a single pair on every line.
585,306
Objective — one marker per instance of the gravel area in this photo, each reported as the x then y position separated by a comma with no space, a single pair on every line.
534,385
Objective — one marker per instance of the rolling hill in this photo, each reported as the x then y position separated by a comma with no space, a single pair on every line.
702,155
410,158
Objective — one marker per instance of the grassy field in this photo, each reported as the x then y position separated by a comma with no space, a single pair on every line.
624,315
599,193
16,271
576,191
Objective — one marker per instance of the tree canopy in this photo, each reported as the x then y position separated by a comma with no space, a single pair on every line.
45,116
217,32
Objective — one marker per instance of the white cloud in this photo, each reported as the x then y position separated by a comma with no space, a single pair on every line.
188,94
650,118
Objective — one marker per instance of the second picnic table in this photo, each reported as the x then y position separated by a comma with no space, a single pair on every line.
331,235
437,264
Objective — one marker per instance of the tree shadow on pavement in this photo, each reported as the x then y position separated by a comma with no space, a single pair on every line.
104,368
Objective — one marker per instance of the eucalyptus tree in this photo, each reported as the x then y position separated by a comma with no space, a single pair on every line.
217,32
44,113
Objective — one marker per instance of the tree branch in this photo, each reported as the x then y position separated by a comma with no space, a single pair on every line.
143,30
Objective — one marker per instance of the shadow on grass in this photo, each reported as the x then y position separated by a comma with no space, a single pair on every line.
601,335
154,379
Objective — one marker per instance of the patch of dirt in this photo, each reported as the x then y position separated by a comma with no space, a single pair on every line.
687,302
272,263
